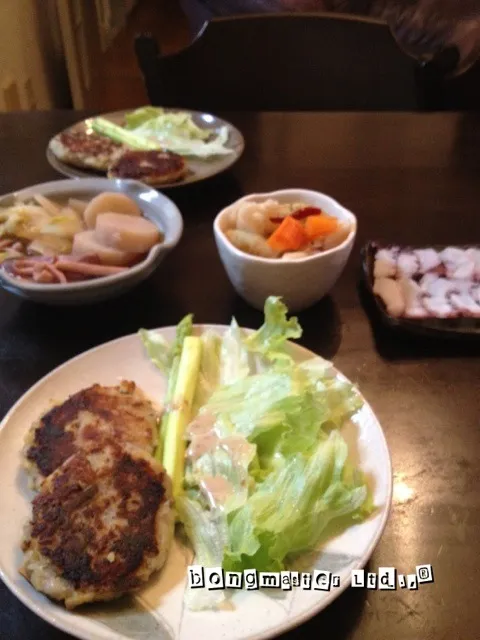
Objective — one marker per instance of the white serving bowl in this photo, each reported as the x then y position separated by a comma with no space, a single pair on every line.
302,282
155,206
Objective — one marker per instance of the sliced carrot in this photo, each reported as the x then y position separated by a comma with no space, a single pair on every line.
290,236
322,225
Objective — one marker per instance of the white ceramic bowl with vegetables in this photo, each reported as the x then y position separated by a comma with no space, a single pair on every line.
292,243
83,240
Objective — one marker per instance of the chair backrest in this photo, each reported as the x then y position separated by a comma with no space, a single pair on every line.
277,62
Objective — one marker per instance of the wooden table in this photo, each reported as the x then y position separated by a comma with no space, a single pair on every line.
408,178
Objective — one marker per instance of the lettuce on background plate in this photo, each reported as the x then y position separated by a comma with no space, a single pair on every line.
177,132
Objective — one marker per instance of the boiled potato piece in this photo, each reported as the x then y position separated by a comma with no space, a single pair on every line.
109,202
126,233
250,243
86,243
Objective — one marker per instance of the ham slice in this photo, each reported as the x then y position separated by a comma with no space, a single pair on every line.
88,269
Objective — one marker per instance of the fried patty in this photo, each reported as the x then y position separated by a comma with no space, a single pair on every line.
151,167
85,150
84,421
100,526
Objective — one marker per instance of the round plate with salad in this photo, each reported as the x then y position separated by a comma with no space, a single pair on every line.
161,147
275,463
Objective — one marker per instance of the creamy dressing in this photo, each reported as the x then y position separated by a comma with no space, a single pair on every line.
202,444
202,424
217,489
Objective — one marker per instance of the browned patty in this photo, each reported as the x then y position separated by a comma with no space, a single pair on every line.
87,150
101,525
85,420
152,167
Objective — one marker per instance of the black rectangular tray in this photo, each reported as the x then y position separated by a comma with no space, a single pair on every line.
430,326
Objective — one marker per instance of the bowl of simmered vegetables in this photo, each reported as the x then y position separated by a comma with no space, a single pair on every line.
292,243
83,240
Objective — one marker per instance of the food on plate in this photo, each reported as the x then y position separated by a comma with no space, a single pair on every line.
391,293
102,520
84,421
150,144
101,525
253,443
428,283
154,128
285,231
109,201
151,167
85,149
249,456
252,243
385,263
173,437
126,233
51,242
88,243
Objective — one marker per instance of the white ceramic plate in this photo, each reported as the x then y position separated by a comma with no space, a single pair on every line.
158,612
197,168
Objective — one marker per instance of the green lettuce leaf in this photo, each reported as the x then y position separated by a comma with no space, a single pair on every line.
270,340
235,359
209,375
225,360
290,510
158,119
163,354
248,406
207,532
284,411
177,132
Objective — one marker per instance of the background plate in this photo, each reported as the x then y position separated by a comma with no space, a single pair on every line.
157,612
198,169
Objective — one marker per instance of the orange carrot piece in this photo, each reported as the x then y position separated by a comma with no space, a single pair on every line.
321,225
290,236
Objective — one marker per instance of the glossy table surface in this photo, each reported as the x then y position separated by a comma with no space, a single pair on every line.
409,178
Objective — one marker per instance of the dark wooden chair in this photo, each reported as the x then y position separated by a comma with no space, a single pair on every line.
278,62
